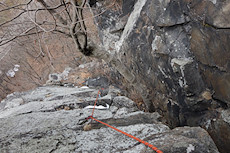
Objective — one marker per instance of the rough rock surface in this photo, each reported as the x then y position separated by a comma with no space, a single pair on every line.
49,119
219,129
178,49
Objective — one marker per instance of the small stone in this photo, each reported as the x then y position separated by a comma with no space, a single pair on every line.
207,95
87,127
66,108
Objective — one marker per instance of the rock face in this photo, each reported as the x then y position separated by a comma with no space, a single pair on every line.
51,119
177,48
219,129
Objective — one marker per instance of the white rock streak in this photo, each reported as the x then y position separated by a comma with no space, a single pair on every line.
98,107
181,62
130,23
213,1
155,42
190,148
84,87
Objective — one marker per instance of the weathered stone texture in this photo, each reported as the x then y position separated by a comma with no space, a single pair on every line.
178,50
211,49
51,120
219,129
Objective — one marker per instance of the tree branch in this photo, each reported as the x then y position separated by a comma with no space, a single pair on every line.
25,33
73,26
52,12
12,19
66,9
82,23
15,6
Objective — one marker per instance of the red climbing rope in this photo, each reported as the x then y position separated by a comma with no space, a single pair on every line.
129,135
95,102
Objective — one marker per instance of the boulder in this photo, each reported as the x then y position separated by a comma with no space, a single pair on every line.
184,139
219,129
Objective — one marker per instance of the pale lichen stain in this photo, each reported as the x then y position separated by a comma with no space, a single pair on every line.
190,148
130,23
181,62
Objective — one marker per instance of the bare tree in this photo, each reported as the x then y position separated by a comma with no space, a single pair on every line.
65,17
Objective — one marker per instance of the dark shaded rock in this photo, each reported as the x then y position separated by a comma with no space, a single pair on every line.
167,19
209,46
179,50
211,50
101,82
219,129
127,6
92,3
211,13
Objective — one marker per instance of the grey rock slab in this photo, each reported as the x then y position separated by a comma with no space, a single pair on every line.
122,101
59,132
23,109
46,127
130,119
44,99
109,140
14,103
124,111
183,139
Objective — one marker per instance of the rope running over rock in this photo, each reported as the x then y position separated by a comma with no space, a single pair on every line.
129,135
